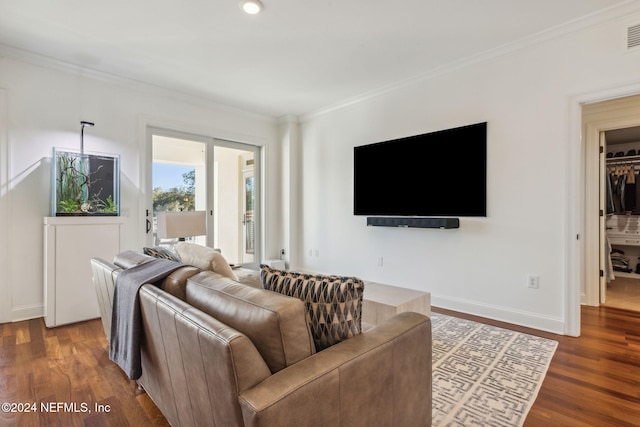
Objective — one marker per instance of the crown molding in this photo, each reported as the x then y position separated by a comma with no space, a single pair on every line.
36,59
594,19
288,119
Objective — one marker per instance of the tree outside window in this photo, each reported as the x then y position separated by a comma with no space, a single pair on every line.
177,198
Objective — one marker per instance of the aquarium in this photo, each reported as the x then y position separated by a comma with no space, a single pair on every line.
85,184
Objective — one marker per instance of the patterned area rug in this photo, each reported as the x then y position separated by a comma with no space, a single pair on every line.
484,375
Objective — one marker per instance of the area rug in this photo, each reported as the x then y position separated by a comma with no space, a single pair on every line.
484,375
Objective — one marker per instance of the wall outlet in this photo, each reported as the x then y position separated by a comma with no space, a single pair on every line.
380,262
533,282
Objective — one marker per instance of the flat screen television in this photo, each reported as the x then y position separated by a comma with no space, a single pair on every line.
437,174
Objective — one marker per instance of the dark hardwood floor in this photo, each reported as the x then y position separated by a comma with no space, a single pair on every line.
66,365
593,380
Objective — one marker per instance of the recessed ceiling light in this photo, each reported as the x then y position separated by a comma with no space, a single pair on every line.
251,7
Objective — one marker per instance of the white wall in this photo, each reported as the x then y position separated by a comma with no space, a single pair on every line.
290,190
526,96
5,206
44,109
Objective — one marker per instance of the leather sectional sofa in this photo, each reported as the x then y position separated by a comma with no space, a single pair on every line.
217,352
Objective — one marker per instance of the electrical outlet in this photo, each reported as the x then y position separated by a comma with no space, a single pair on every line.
533,282
380,263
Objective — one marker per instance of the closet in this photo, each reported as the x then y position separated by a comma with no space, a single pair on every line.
622,189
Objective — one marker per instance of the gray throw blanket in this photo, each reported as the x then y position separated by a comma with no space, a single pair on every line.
126,318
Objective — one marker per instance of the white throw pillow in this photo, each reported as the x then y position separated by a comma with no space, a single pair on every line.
204,258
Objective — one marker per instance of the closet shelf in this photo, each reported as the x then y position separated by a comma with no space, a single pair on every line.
627,275
623,232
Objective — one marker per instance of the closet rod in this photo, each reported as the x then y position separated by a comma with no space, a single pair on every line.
632,160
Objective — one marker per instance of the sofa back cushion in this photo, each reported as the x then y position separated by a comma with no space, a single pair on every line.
276,324
333,303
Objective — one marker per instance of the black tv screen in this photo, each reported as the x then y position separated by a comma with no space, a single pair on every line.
440,173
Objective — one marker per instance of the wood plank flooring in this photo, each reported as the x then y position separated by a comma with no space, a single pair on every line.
624,292
66,365
593,380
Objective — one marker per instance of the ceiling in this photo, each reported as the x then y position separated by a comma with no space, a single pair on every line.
295,58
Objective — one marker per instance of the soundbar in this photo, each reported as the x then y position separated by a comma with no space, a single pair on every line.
410,222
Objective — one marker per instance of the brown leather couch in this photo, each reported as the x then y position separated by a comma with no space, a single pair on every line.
216,352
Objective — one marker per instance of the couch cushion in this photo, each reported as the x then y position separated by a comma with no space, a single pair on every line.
249,277
276,324
334,303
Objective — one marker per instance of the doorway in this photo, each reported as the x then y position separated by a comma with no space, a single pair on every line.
220,179
612,217
620,186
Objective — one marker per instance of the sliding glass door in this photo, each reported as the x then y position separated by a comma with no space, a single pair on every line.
220,178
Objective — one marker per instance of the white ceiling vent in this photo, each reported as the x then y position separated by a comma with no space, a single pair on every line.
633,36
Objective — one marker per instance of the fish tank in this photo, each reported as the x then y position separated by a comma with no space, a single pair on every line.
85,184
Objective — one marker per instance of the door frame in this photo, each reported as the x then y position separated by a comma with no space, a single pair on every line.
578,216
599,117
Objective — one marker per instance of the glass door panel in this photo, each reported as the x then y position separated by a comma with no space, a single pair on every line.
234,217
178,182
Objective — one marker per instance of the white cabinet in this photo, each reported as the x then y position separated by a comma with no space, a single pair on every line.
624,234
69,245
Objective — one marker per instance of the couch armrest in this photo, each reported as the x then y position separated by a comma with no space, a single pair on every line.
104,278
381,377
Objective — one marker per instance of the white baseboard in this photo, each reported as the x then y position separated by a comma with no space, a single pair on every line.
27,312
522,318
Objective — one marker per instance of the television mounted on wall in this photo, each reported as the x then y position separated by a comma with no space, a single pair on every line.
436,174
